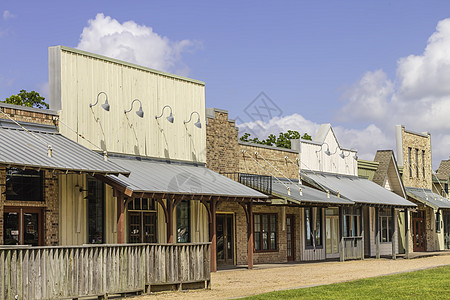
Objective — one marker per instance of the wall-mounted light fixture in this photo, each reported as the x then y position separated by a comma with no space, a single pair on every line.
139,112
170,117
198,124
105,105
327,152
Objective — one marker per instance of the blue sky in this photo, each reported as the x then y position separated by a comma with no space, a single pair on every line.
342,62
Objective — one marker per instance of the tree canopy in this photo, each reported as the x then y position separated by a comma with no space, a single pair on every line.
29,99
283,140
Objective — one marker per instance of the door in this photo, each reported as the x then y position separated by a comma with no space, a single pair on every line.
23,226
332,232
290,230
418,227
141,227
225,239
447,229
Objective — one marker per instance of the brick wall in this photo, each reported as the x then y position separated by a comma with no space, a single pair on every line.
221,142
267,159
28,114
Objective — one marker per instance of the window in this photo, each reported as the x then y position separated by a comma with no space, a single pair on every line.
265,228
313,227
183,222
352,217
385,219
423,163
417,163
409,161
142,221
24,185
96,211
438,222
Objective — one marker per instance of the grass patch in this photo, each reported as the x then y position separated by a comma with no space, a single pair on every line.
424,284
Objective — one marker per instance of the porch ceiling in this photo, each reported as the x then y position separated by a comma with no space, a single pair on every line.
29,147
357,189
428,198
170,177
309,195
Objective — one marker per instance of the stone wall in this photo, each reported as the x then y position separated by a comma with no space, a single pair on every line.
221,142
421,142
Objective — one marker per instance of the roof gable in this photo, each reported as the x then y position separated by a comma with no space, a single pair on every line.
388,171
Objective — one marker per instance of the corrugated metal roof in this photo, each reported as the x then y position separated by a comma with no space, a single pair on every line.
427,197
309,195
152,176
359,190
21,148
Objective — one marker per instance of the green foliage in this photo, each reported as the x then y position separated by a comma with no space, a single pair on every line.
424,284
283,140
29,99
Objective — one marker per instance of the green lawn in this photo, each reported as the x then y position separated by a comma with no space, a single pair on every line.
425,284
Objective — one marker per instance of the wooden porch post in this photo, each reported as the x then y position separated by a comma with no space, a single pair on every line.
250,234
120,218
341,234
213,235
393,236
377,233
407,232
169,204
361,221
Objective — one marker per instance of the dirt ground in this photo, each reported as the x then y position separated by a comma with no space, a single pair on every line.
266,278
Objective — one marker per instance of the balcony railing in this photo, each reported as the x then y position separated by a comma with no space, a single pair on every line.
101,270
262,183
353,248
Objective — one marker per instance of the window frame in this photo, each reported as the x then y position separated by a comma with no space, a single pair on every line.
386,214
409,161
354,214
423,163
188,218
417,162
319,221
23,184
133,208
269,231
98,184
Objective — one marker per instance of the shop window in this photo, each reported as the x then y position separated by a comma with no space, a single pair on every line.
265,232
183,222
24,185
352,223
313,227
96,211
142,219
385,219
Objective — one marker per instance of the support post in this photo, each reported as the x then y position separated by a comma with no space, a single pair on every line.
120,218
393,235
377,233
361,221
341,234
407,233
250,234
169,204
213,235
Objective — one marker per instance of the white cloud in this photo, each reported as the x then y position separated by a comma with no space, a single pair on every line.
7,15
135,43
420,98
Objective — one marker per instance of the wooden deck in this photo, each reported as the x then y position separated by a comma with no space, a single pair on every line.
100,270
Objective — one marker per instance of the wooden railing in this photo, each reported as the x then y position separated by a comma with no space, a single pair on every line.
353,248
100,270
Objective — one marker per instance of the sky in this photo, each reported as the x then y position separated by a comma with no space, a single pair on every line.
363,66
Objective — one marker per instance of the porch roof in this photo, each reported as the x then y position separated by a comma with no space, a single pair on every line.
309,195
175,177
427,197
27,145
357,189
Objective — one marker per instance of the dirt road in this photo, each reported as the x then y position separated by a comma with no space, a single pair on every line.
266,278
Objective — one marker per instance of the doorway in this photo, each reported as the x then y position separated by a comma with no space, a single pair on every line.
290,230
418,228
225,239
23,226
332,232
447,229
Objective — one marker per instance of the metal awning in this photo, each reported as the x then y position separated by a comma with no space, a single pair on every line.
307,196
360,190
171,177
427,197
29,149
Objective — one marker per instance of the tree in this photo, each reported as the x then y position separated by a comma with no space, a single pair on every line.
29,99
283,140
